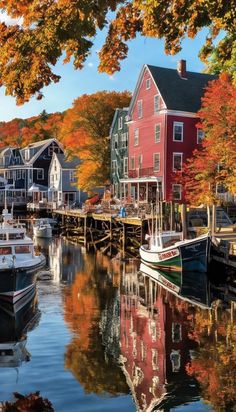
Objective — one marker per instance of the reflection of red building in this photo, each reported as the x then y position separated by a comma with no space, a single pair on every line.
155,347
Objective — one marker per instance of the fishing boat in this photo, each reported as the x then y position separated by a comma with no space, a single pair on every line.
42,229
19,263
169,251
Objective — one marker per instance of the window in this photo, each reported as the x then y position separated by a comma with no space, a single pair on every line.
55,165
140,109
200,135
116,141
72,176
136,137
156,162
157,133
148,84
124,140
176,332
113,166
18,174
178,132
175,359
5,250
40,174
22,249
156,103
177,161
120,123
140,161
132,163
177,189
125,165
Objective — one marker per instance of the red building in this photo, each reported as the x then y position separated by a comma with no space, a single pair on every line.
162,130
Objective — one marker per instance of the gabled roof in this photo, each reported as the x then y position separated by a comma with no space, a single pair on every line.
67,164
117,111
180,94
40,147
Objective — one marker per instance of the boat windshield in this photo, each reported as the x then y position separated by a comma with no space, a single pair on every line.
16,235
22,249
5,250
171,240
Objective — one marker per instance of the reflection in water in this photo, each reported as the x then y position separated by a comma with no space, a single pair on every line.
123,320
119,331
13,333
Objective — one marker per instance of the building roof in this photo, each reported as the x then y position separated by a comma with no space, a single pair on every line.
183,94
67,164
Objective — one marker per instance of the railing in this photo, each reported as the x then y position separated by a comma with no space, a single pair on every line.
144,172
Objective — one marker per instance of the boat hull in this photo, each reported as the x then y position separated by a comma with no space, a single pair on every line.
17,286
191,255
44,232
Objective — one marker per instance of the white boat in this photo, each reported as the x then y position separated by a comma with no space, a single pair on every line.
42,229
19,263
168,250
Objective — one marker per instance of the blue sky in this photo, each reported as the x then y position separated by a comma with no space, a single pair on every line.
73,83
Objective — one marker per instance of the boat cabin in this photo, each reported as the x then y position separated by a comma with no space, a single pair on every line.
162,240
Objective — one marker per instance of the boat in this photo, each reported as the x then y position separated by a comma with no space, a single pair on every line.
13,333
19,263
169,251
42,229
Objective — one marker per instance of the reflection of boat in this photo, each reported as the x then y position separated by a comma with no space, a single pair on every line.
168,250
193,286
13,333
42,229
18,262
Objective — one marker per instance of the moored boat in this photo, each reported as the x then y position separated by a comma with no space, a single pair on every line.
168,250
19,263
42,229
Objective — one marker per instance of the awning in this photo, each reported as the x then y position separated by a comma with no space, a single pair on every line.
37,188
150,179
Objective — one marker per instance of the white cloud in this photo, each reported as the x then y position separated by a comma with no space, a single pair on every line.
90,64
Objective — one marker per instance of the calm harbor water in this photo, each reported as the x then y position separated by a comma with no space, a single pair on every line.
108,338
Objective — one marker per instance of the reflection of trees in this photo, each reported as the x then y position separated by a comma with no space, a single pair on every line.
85,300
215,366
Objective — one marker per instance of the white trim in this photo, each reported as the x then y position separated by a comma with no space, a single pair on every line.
178,113
141,179
136,136
182,133
157,124
180,186
173,155
154,154
140,108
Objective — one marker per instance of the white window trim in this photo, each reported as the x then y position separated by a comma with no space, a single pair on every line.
173,163
182,133
156,170
140,161
148,83
180,186
157,141
140,109
126,165
120,123
156,109
136,137
114,166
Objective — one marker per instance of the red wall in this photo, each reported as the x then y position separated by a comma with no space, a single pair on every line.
147,146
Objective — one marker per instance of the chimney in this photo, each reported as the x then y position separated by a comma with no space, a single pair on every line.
181,68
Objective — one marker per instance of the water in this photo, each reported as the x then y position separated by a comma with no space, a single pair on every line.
109,338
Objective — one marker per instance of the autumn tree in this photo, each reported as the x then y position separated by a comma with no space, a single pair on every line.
46,30
11,133
213,166
85,133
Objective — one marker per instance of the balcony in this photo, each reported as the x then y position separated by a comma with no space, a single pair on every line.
143,172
